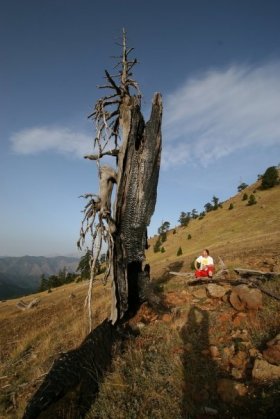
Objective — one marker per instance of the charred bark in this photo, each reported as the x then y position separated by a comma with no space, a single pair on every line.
139,162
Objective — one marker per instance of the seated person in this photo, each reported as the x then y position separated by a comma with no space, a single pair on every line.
204,265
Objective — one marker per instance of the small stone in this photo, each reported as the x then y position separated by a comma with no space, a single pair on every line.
189,347
239,318
214,351
166,318
272,354
263,371
236,373
229,390
239,360
254,353
140,325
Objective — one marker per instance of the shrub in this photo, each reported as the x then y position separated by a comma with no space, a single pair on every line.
179,251
270,178
174,231
189,236
157,245
162,249
231,206
252,200
244,197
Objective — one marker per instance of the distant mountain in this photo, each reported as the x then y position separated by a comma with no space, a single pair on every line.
21,275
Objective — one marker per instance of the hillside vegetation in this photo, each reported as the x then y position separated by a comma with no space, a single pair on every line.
188,343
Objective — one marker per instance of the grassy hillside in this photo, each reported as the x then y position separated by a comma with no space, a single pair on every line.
169,368
245,235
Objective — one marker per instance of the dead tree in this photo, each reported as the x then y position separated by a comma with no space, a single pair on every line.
122,133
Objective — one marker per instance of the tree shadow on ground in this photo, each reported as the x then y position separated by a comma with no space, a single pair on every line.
72,384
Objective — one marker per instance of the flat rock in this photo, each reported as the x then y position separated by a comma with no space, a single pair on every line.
264,371
216,291
200,293
272,354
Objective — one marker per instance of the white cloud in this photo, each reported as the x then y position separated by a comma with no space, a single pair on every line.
62,140
220,112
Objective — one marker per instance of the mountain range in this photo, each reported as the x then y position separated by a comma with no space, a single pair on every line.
21,275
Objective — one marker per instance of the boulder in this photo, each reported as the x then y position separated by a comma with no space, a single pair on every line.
243,297
216,291
263,371
272,353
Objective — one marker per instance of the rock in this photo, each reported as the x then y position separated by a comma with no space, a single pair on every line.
254,353
140,325
263,371
166,318
209,411
239,360
200,293
216,291
243,297
274,340
228,390
272,354
188,347
239,318
214,351
236,373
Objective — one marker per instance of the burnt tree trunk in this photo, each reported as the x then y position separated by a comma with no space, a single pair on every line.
138,172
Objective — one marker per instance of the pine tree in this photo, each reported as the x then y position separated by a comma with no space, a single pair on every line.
252,200
270,178
179,251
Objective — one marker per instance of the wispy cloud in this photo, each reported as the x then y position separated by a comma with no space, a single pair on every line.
219,112
62,140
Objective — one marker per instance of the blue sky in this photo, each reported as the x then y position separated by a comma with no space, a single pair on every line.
216,63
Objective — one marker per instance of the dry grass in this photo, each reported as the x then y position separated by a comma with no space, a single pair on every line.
31,340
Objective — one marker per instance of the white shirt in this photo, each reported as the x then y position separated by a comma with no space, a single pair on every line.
205,261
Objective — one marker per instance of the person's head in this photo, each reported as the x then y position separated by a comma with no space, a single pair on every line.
205,253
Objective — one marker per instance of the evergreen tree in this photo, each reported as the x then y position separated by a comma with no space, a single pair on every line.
252,200
242,186
164,227
44,284
157,245
194,214
270,178
208,207
84,265
184,219
179,251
